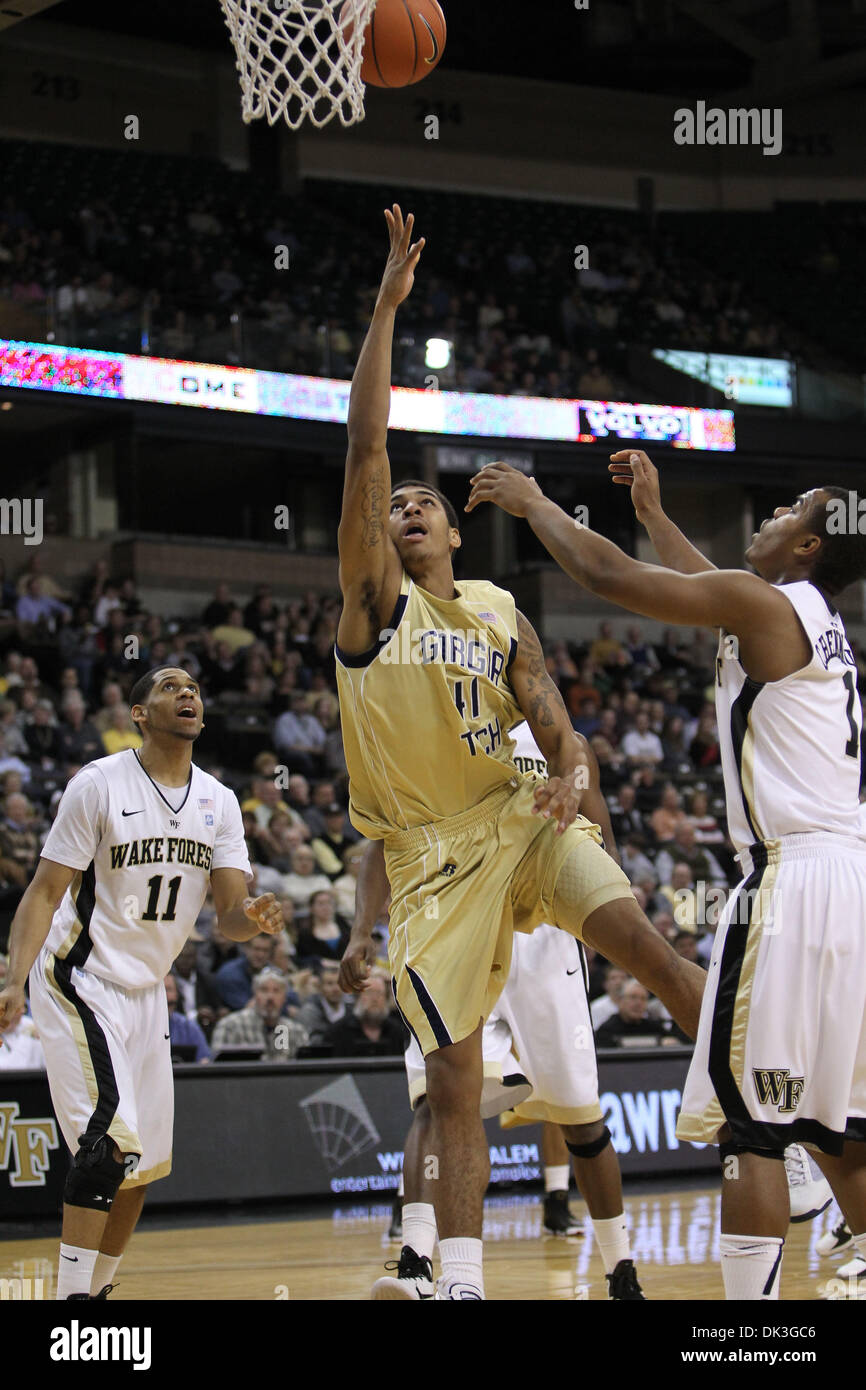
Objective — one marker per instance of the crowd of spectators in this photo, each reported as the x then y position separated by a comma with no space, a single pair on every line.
645,706
526,317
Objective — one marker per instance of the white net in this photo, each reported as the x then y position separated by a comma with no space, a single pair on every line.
300,59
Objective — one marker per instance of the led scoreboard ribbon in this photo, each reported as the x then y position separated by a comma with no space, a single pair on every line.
123,376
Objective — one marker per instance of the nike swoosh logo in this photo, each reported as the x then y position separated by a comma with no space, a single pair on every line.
132,813
73,1259
167,1036
572,972
435,57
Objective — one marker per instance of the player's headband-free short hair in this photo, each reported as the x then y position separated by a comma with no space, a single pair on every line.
428,487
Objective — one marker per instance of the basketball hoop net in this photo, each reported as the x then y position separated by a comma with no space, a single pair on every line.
297,61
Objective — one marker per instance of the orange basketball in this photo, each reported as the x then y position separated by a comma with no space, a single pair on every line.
402,43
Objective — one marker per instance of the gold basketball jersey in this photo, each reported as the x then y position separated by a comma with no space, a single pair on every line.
426,711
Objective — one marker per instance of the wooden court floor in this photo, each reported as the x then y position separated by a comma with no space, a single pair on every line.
336,1253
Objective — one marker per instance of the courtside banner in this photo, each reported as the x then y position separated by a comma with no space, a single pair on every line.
313,1129
126,377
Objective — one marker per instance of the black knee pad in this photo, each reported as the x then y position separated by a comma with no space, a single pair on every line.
96,1174
731,1149
591,1150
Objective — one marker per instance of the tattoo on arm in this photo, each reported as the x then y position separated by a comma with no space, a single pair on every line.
543,694
372,502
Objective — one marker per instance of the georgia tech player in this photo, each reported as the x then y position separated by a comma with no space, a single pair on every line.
542,1016
121,879
431,676
781,1051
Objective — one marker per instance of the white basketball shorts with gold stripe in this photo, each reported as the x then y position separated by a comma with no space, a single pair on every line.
781,1049
108,1060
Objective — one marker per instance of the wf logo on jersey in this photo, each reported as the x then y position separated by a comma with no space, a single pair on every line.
25,1146
449,869
776,1086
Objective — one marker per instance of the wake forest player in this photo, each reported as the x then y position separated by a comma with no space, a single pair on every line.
543,1016
781,1052
122,877
431,676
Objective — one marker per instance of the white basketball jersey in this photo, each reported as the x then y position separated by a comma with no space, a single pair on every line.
791,748
144,856
527,754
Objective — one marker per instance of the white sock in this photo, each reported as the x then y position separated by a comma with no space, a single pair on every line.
751,1267
74,1270
104,1271
556,1177
419,1228
613,1242
461,1265
860,1243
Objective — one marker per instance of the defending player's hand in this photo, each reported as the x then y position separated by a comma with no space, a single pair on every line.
266,912
632,468
399,276
358,960
559,799
510,489
13,1003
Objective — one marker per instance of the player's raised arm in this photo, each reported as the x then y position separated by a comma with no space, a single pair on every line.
370,568
632,468
543,709
29,932
772,642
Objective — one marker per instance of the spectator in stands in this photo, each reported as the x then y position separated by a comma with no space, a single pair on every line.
685,849
299,737
182,1030
78,741
119,735
327,935
641,745
21,1049
605,650
19,841
345,886
232,633
371,1029
603,1008
261,1022
112,700
324,794
234,980
330,847
685,943
668,815
326,1008
36,612
217,950
631,1022
217,612
198,990
626,819
304,880
704,749
679,888
14,737
706,826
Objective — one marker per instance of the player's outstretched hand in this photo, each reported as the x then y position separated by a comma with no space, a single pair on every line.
559,799
510,489
13,1003
631,468
358,960
266,912
399,276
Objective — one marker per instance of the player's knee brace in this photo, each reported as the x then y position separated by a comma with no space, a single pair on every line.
95,1175
732,1149
593,1148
